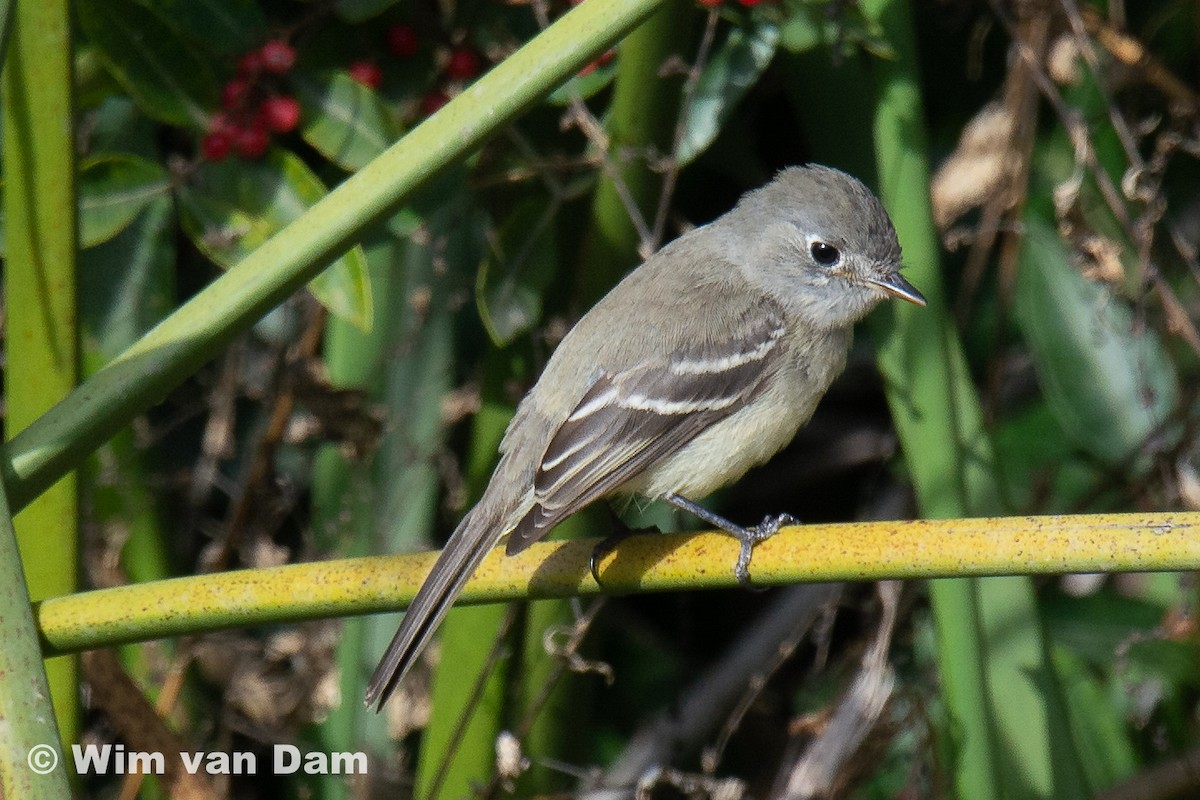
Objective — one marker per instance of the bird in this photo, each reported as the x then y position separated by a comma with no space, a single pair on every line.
701,363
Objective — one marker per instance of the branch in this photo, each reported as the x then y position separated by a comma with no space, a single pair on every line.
861,551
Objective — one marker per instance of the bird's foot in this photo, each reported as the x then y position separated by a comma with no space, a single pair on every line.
750,537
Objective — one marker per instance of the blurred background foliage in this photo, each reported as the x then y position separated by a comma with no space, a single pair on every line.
364,417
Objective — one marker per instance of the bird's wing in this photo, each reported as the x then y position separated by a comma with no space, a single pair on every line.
625,422
629,420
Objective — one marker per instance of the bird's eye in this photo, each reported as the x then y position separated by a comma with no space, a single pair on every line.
824,253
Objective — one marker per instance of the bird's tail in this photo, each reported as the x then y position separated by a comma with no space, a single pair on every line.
464,551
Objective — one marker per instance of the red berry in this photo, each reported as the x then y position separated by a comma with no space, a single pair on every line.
433,100
367,73
463,64
280,114
216,144
277,56
234,94
402,40
220,122
249,64
252,142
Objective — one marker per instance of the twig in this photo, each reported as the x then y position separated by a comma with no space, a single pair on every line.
1119,123
1130,52
1139,231
671,174
1003,212
580,115
758,681
711,697
263,458
216,444
568,660
468,711
815,774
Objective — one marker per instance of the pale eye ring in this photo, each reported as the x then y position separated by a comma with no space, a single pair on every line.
824,253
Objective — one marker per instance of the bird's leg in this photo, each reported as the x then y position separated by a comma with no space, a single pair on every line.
620,532
748,537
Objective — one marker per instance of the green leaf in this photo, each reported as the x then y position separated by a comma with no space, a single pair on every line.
94,84
846,30
803,30
229,27
732,70
232,207
345,121
113,189
1041,467
1097,726
355,11
1107,380
116,126
159,68
515,273
126,285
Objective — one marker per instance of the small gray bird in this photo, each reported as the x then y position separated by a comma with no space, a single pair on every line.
702,363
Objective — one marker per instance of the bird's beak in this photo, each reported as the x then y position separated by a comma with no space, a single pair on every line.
896,286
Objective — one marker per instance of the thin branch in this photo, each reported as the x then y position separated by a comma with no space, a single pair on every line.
816,774
671,175
471,706
706,702
1141,182
579,115
1084,44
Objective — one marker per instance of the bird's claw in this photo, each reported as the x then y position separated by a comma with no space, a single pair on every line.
749,537
609,543
602,549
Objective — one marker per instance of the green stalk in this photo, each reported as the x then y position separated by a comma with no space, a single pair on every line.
405,364
458,750
1002,695
989,637
193,334
43,350
28,721
936,413
816,83
6,17
557,703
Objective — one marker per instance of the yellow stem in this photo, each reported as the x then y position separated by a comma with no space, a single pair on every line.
1168,541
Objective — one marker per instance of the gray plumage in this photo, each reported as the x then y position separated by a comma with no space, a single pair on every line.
701,363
